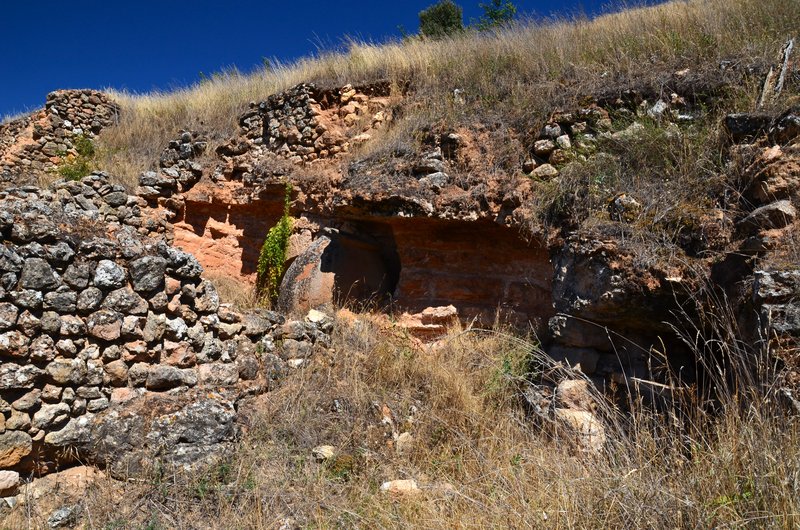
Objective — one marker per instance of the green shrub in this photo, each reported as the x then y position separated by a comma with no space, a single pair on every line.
82,164
441,19
273,254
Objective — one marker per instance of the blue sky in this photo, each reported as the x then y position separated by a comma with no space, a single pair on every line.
160,44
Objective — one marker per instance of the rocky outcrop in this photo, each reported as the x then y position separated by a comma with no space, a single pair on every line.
39,142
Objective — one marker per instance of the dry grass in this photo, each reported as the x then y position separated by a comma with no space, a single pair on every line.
517,74
481,461
241,295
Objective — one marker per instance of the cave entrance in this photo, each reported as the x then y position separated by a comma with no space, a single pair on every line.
365,265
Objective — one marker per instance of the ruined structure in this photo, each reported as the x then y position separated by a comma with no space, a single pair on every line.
37,143
108,326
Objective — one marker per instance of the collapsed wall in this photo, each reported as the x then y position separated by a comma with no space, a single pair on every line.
39,142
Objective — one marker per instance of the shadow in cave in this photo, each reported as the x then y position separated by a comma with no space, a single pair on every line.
365,265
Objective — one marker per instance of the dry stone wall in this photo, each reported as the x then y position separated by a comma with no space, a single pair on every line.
307,123
39,142
96,317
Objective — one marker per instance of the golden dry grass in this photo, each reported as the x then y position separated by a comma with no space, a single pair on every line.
480,459
516,74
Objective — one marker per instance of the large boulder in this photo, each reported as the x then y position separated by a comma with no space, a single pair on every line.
154,430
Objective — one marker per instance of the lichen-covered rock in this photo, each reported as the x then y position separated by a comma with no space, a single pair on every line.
37,275
109,275
105,325
14,446
17,377
147,273
180,431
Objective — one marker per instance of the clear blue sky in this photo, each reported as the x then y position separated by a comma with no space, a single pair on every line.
158,44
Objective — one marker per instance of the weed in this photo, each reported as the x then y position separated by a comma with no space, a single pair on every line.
75,167
272,258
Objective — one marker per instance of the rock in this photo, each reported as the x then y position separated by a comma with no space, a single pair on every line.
543,148
178,354
551,130
14,446
658,110
744,126
60,253
10,260
574,394
27,299
67,371
78,274
19,421
147,273
175,329
207,300
183,431
229,331
305,285
37,275
154,327
248,367
51,323
786,129
72,326
76,432
108,275
132,327
117,372
255,325
29,324
323,452
545,172
8,316
64,517
218,374
50,416
181,263
9,480
164,377
428,166
63,300
435,181
589,431
400,487
126,301
42,349
624,208
776,215
105,325
89,299
563,142
16,377
776,286
28,401
14,344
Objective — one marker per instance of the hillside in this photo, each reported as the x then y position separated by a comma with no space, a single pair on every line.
542,276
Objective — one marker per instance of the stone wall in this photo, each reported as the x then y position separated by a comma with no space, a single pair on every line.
307,123
96,316
39,142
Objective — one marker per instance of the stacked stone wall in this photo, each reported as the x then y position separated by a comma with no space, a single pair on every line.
94,314
39,142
